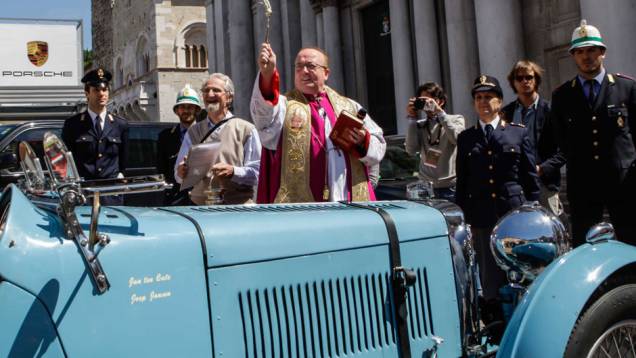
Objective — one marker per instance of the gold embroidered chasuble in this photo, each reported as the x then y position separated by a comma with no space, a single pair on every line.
296,142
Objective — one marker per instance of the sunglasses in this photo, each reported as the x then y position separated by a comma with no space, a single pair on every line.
526,77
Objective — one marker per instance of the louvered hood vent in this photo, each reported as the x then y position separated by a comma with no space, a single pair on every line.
330,318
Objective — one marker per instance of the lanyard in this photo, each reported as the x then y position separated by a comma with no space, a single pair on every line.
214,128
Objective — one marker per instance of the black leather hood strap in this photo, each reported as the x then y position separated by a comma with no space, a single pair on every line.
401,278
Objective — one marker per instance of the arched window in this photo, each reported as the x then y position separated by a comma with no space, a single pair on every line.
143,57
194,41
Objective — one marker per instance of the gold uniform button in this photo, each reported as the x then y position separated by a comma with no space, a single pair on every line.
595,144
596,157
491,181
493,195
99,169
100,140
490,167
99,155
593,118
490,152
594,131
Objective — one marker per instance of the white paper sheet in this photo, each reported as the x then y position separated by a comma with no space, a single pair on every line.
199,162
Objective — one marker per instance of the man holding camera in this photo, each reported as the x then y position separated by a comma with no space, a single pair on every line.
433,133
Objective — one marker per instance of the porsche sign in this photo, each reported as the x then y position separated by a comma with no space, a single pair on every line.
40,53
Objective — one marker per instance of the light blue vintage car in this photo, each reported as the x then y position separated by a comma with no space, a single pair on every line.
383,279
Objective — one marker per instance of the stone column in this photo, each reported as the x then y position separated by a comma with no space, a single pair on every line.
307,24
402,59
500,39
348,53
463,57
240,63
331,24
291,28
211,45
219,39
615,21
426,42
320,30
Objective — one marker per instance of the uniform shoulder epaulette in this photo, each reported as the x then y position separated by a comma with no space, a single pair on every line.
621,75
517,125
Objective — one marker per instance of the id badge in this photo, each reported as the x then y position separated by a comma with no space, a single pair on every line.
432,157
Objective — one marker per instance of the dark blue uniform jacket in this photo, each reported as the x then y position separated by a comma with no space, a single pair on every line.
496,176
545,148
596,141
97,157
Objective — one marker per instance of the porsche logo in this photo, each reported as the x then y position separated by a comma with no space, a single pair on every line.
38,52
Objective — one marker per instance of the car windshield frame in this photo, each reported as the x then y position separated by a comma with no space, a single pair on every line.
6,129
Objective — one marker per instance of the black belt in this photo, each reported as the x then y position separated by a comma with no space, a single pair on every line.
401,279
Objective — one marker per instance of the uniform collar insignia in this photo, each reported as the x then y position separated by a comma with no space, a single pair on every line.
110,118
574,82
610,78
173,129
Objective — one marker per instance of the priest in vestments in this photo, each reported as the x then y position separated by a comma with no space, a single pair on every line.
299,162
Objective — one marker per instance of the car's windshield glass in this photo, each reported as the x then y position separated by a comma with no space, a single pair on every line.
6,129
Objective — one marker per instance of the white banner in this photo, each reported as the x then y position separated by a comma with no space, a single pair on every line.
40,53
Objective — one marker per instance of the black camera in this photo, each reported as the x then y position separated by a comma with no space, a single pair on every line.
419,103
424,104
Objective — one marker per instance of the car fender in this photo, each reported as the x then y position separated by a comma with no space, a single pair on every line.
28,330
543,321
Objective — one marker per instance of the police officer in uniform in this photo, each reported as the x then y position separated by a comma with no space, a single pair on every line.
593,120
495,173
97,138
187,108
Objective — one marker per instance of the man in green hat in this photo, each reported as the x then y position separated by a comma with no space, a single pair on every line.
593,121
187,107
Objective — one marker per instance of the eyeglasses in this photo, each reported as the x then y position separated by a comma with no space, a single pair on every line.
310,66
216,90
526,77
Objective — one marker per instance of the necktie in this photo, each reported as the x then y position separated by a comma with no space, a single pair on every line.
98,126
489,130
590,95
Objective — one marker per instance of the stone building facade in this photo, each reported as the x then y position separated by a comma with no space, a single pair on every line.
380,50
153,48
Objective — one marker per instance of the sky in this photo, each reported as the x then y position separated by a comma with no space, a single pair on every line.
51,9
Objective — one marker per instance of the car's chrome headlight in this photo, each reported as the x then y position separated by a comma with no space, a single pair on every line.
526,240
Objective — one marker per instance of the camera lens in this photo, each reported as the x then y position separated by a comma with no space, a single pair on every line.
419,104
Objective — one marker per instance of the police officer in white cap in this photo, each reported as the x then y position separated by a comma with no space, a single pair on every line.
187,107
593,121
